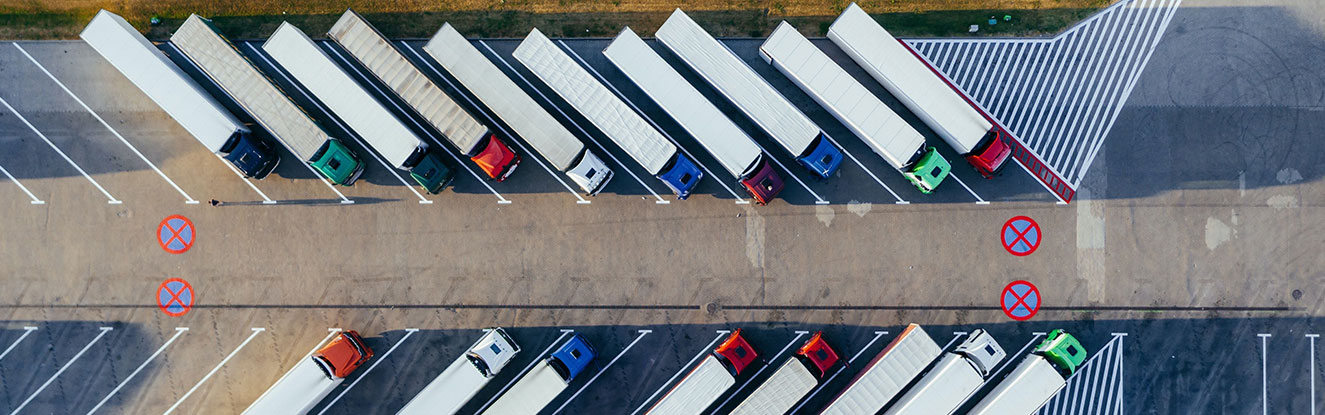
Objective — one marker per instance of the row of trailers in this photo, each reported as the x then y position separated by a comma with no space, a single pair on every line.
889,61
913,375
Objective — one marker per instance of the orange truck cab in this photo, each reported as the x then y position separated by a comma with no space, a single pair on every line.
344,354
495,157
313,377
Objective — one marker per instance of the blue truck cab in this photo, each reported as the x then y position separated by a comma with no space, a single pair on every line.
681,175
821,157
572,358
253,156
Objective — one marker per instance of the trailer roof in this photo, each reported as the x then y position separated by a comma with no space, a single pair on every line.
386,63
510,103
856,107
727,142
309,65
531,393
254,91
886,375
780,391
166,84
740,84
620,123
696,391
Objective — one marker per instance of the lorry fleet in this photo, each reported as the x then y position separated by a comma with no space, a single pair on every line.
546,380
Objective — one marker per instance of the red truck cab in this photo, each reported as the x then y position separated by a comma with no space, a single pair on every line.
991,155
764,184
345,353
735,353
818,354
496,158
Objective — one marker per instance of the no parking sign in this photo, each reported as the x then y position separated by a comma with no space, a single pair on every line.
175,234
1020,235
175,297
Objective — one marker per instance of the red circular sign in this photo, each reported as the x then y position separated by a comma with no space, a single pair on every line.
175,234
1020,300
1020,236
175,297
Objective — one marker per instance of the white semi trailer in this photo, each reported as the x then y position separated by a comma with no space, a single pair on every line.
176,93
1036,379
511,104
313,377
791,381
463,379
914,82
312,68
735,150
708,381
856,107
546,380
785,124
953,379
885,376
617,121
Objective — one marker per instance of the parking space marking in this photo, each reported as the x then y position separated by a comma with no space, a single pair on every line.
537,358
1095,387
853,158
978,200
774,360
1265,394
35,200
34,129
609,364
584,133
343,199
227,358
493,121
26,331
178,332
187,199
739,200
955,335
1311,371
408,332
702,352
853,358
71,361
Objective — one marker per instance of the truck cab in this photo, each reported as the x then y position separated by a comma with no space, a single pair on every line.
590,173
1063,350
335,161
253,156
344,354
495,157
989,157
681,175
735,353
982,351
821,157
765,183
492,352
572,358
428,170
821,357
927,169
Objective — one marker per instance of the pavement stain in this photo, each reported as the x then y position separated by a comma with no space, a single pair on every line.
859,208
825,214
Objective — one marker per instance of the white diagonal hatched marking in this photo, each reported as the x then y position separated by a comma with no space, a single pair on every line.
179,331
71,361
1095,388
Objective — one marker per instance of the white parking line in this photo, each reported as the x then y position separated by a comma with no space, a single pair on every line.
26,331
35,200
1311,370
227,358
586,135
853,158
408,332
1265,394
34,129
739,200
821,386
702,352
537,358
799,334
641,335
187,199
178,332
43,386
343,199
955,335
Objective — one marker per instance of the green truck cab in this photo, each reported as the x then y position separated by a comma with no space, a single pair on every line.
1063,351
337,162
928,170
430,171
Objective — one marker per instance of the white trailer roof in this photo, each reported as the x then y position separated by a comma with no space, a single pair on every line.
309,65
448,392
908,79
534,391
833,88
503,97
731,146
942,390
886,375
166,84
740,84
296,392
255,92
780,392
1024,390
644,143
703,385
377,54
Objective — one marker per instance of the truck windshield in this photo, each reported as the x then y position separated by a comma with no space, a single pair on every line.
325,365
560,368
478,364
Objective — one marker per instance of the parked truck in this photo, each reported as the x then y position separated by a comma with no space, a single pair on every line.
727,73
735,150
792,381
885,375
546,380
511,104
176,93
265,102
312,68
1036,379
617,121
861,111
447,393
953,379
313,377
708,381
918,85
353,33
